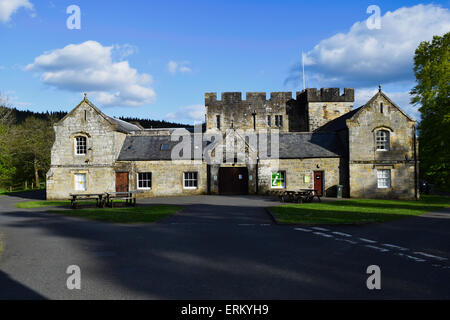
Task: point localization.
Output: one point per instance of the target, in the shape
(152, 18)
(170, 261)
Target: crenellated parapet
(251, 97)
(327, 95)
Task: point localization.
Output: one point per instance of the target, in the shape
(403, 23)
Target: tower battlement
(251, 97)
(327, 95)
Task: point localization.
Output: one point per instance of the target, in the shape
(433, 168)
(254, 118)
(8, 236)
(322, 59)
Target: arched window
(382, 140)
(80, 145)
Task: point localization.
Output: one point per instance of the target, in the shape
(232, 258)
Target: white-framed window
(384, 178)
(278, 180)
(80, 145)
(80, 181)
(382, 140)
(144, 180)
(190, 180)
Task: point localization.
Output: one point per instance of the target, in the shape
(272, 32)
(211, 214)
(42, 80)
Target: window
(381, 107)
(269, 121)
(279, 179)
(80, 145)
(218, 121)
(278, 121)
(190, 180)
(144, 180)
(382, 140)
(80, 181)
(384, 178)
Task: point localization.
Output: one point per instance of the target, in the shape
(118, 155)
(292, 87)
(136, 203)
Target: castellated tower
(310, 110)
(324, 105)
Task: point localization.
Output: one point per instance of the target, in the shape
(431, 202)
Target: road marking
(411, 257)
(320, 229)
(301, 229)
(377, 248)
(430, 256)
(367, 240)
(393, 246)
(342, 234)
(264, 224)
(323, 234)
(346, 240)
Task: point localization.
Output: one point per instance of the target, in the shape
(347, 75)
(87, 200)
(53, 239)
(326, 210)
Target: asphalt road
(220, 248)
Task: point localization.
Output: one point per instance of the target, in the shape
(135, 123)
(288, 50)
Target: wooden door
(318, 182)
(233, 180)
(122, 182)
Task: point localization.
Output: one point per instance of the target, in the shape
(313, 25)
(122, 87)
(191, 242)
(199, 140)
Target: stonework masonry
(319, 132)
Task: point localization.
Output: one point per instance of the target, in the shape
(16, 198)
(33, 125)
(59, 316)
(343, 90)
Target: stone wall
(237, 113)
(167, 176)
(103, 147)
(364, 159)
(296, 171)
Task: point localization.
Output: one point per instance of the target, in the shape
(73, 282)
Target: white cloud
(89, 67)
(194, 113)
(9, 7)
(364, 57)
(182, 67)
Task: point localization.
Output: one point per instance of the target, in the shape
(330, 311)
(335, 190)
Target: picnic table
(299, 196)
(77, 197)
(128, 196)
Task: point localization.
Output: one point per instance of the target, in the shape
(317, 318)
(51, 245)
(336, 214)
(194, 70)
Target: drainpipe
(416, 195)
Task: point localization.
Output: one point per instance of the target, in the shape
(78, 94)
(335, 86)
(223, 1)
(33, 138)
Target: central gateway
(233, 180)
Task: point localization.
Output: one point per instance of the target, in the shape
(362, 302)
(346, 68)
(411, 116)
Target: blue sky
(157, 59)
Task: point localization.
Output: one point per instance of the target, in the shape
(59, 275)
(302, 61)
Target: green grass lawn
(357, 210)
(139, 214)
(44, 204)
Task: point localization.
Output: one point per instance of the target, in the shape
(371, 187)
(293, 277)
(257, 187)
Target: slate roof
(310, 145)
(144, 148)
(292, 146)
(123, 125)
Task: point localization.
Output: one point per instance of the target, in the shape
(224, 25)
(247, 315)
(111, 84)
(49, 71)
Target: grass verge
(140, 214)
(355, 211)
(44, 204)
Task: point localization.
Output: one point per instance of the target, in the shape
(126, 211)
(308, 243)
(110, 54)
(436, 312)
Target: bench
(76, 198)
(298, 196)
(128, 196)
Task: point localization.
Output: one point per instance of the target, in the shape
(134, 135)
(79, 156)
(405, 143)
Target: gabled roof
(310, 145)
(119, 125)
(340, 122)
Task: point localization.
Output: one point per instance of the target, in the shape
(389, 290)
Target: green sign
(278, 180)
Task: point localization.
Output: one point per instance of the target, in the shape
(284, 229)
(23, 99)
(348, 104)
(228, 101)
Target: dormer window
(80, 145)
(382, 140)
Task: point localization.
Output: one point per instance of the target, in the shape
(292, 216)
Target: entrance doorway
(122, 182)
(233, 180)
(318, 182)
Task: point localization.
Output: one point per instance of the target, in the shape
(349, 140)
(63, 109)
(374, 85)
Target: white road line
(430, 256)
(346, 240)
(320, 229)
(342, 234)
(301, 229)
(411, 257)
(323, 234)
(264, 224)
(367, 240)
(393, 246)
(377, 248)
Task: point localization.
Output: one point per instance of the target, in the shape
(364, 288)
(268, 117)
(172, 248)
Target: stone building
(313, 141)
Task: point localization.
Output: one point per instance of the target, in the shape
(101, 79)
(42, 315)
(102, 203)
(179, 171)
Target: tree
(432, 71)
(33, 142)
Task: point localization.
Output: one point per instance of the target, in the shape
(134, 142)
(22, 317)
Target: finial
(85, 96)
(379, 88)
